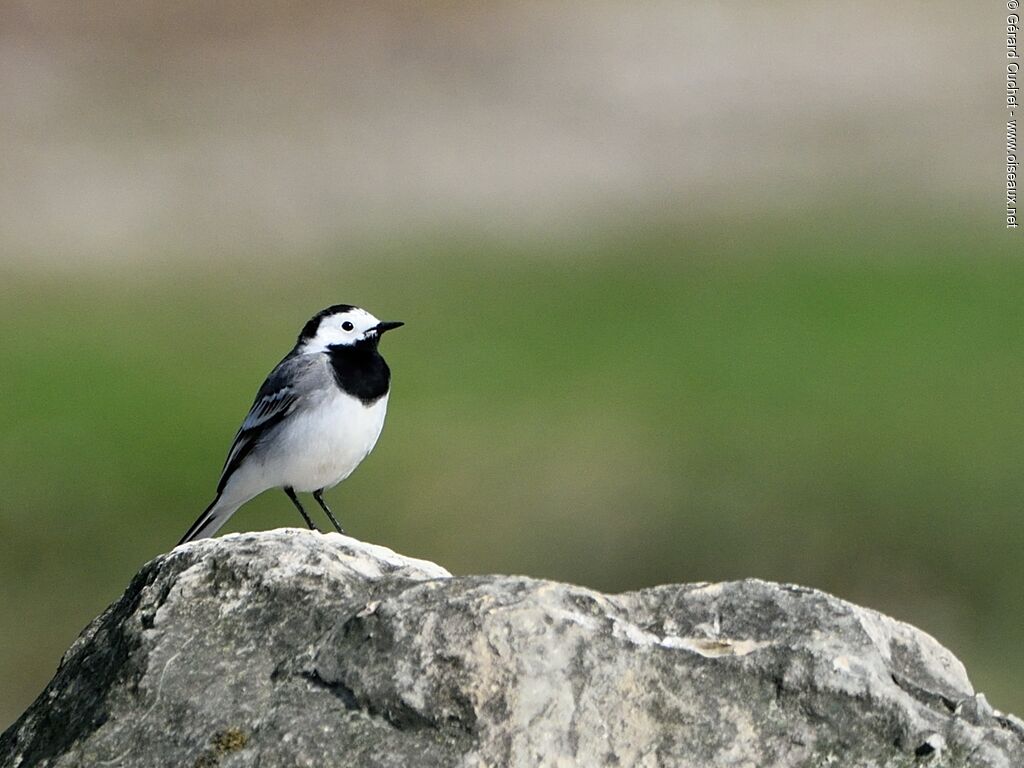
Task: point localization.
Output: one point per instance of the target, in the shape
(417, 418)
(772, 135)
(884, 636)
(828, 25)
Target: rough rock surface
(290, 648)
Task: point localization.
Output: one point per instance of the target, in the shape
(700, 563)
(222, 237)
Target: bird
(316, 417)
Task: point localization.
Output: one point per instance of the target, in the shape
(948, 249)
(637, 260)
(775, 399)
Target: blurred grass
(810, 401)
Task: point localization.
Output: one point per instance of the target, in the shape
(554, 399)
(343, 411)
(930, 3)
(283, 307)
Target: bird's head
(342, 325)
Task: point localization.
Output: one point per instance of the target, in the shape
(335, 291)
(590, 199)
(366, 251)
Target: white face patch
(344, 328)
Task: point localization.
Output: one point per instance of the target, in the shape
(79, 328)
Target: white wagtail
(316, 417)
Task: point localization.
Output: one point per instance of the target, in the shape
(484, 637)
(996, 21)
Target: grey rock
(291, 648)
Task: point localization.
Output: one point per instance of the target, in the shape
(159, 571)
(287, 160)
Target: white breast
(321, 446)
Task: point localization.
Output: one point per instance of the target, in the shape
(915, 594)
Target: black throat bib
(360, 370)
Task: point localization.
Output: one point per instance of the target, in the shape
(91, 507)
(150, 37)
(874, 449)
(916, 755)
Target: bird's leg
(290, 492)
(319, 496)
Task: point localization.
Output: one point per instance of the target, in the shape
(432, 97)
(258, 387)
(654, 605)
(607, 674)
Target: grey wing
(276, 399)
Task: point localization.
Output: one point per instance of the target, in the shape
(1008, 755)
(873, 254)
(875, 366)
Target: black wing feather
(274, 401)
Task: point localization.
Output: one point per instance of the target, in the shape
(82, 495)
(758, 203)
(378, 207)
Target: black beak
(387, 326)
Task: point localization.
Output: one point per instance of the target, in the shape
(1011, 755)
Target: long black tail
(208, 523)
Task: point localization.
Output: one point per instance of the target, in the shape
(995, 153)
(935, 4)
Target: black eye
(347, 326)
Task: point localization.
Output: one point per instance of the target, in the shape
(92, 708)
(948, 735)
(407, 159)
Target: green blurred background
(692, 292)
